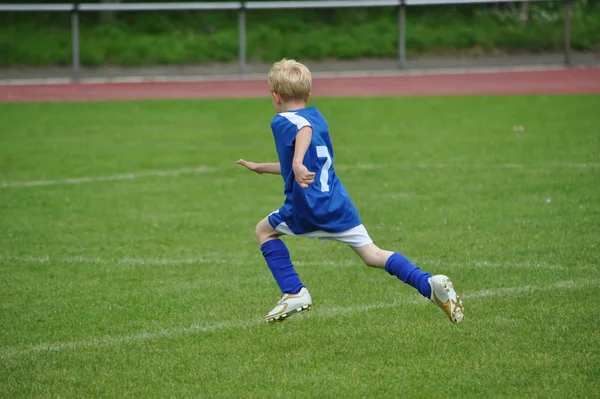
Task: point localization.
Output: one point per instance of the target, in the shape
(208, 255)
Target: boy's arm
(260, 168)
(303, 176)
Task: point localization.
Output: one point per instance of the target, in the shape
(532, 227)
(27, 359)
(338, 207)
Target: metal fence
(242, 7)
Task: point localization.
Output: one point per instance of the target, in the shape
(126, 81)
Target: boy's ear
(308, 97)
(276, 98)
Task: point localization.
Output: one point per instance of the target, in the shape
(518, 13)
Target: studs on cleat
(284, 316)
(290, 304)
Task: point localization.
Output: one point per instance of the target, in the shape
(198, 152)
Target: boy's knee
(367, 256)
(374, 256)
(259, 231)
(371, 261)
(264, 232)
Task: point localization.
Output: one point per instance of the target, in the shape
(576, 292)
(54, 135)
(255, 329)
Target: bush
(147, 38)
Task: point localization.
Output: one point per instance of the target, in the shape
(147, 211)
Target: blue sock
(397, 265)
(278, 259)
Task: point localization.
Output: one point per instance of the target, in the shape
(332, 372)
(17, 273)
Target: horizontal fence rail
(281, 5)
(36, 7)
(242, 6)
(159, 6)
(239, 5)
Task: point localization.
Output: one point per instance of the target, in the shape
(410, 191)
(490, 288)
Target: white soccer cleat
(289, 304)
(443, 295)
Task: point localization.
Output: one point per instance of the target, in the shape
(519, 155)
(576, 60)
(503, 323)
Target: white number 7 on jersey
(322, 152)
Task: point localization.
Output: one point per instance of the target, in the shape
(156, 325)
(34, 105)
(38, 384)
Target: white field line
(215, 259)
(124, 176)
(220, 259)
(204, 169)
(566, 165)
(9, 352)
(509, 265)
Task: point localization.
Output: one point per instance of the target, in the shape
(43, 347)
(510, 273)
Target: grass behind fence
(147, 38)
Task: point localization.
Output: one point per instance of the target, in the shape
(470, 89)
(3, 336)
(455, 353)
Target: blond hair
(290, 79)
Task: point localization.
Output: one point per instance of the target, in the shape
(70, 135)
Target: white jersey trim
(297, 120)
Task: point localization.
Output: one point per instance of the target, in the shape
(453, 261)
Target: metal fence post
(75, 40)
(242, 37)
(567, 44)
(402, 34)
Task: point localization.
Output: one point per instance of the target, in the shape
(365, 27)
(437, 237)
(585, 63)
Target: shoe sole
(283, 316)
(457, 311)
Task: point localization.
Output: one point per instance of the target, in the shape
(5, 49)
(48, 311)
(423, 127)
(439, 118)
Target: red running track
(560, 81)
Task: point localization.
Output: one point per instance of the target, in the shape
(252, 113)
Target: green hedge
(146, 38)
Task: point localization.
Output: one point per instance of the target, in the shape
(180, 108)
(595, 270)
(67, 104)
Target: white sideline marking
(217, 259)
(204, 169)
(124, 176)
(120, 261)
(9, 352)
(518, 265)
(567, 165)
(236, 260)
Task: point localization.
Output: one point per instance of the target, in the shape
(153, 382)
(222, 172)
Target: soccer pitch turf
(129, 265)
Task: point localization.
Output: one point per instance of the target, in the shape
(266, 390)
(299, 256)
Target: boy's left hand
(253, 166)
(303, 176)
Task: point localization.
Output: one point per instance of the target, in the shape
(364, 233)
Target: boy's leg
(439, 289)
(295, 296)
(395, 264)
(278, 258)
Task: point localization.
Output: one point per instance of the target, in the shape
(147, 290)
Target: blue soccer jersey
(325, 204)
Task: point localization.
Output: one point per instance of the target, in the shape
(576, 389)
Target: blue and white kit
(324, 210)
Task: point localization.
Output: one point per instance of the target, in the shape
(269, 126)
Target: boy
(317, 204)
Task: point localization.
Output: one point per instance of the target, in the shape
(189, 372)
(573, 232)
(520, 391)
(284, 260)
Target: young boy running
(316, 203)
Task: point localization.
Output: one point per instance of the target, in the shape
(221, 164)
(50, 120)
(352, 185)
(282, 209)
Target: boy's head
(290, 82)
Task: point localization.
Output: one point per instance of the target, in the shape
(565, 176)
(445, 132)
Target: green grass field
(145, 280)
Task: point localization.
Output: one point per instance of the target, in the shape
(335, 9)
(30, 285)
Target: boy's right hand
(253, 166)
(303, 176)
